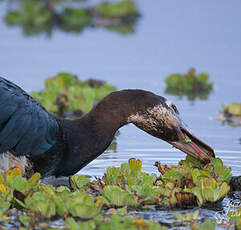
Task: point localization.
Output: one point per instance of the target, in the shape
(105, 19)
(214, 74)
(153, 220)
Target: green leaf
(234, 109)
(40, 201)
(78, 181)
(72, 224)
(25, 220)
(34, 180)
(114, 195)
(19, 183)
(223, 172)
(186, 217)
(203, 77)
(207, 225)
(124, 8)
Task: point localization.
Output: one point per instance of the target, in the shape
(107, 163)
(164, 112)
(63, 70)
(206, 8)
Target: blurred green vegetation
(190, 84)
(122, 9)
(36, 16)
(67, 96)
(32, 15)
(233, 109)
(231, 115)
(75, 19)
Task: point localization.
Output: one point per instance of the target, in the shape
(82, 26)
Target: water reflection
(36, 17)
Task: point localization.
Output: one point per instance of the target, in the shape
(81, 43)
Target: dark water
(171, 36)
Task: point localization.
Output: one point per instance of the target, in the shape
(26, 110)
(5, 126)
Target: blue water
(171, 36)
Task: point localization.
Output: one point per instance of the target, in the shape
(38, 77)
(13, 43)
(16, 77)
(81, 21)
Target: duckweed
(191, 84)
(105, 202)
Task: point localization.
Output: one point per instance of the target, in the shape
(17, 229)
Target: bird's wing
(25, 126)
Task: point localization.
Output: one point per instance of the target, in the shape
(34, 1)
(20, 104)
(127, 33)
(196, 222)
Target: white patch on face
(145, 121)
(160, 113)
(172, 106)
(169, 103)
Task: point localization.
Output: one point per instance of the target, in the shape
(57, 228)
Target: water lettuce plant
(190, 84)
(207, 225)
(105, 202)
(114, 222)
(232, 109)
(122, 9)
(66, 95)
(44, 16)
(231, 114)
(186, 217)
(34, 16)
(75, 19)
(187, 185)
(235, 217)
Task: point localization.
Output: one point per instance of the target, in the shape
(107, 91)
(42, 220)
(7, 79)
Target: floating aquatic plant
(114, 195)
(207, 225)
(33, 16)
(44, 16)
(235, 218)
(187, 185)
(190, 84)
(66, 95)
(191, 182)
(115, 222)
(186, 217)
(77, 182)
(105, 202)
(208, 190)
(75, 19)
(122, 9)
(231, 114)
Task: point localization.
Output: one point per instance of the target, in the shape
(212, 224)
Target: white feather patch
(9, 161)
(159, 112)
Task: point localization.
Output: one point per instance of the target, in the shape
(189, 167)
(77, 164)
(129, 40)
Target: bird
(35, 140)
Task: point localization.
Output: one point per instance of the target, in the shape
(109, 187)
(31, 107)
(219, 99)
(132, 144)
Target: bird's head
(160, 118)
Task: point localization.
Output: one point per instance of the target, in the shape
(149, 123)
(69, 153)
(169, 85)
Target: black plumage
(25, 126)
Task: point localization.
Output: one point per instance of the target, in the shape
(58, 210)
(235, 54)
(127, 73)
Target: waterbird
(36, 141)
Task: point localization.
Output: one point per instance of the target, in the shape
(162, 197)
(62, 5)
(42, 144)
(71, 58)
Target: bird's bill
(193, 146)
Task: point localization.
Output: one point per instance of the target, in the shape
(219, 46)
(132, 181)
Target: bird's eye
(175, 108)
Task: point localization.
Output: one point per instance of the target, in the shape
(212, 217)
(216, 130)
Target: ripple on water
(150, 156)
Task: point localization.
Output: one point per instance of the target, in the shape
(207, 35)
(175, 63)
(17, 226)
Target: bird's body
(35, 140)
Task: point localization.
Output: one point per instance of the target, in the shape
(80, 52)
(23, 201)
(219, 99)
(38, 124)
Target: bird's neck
(90, 135)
